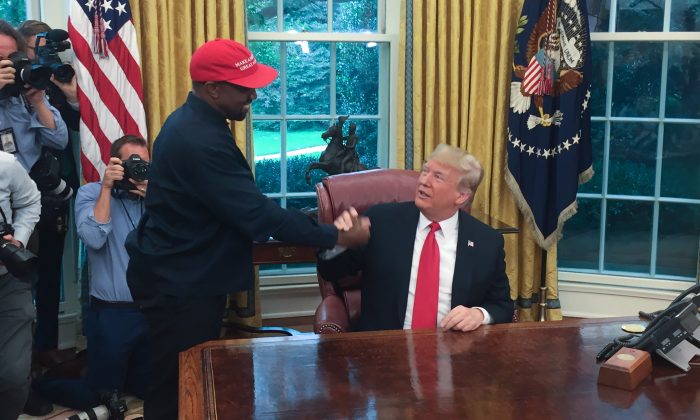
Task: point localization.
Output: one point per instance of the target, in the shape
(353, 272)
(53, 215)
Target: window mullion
(333, 70)
(283, 124)
(659, 150)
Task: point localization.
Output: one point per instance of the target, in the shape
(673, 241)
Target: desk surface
(510, 371)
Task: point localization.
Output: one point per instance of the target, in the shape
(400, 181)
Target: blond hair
(471, 172)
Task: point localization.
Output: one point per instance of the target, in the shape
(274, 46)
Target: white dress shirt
(446, 239)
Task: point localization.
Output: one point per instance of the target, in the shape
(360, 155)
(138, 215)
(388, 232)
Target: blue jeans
(117, 359)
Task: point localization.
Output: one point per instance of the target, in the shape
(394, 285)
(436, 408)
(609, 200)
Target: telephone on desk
(672, 333)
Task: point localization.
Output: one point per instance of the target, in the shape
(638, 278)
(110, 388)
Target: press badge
(7, 136)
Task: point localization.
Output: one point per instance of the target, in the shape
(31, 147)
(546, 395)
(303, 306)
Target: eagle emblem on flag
(555, 55)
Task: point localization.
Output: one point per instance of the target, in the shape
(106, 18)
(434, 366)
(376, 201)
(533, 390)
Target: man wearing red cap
(194, 242)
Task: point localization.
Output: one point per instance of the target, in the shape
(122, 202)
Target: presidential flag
(108, 69)
(548, 143)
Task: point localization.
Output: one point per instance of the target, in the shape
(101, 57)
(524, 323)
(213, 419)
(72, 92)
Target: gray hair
(471, 172)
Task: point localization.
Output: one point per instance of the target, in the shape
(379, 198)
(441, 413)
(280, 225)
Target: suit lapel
(464, 262)
(405, 240)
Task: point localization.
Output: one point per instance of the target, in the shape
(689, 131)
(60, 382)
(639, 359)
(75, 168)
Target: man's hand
(114, 172)
(353, 230)
(461, 318)
(141, 187)
(13, 240)
(346, 219)
(34, 96)
(7, 73)
(70, 89)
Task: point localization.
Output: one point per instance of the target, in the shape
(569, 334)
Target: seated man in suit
(428, 264)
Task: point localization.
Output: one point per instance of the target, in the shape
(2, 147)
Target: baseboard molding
(67, 330)
(579, 300)
(289, 300)
(599, 301)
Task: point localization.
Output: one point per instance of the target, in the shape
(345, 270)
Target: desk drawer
(282, 253)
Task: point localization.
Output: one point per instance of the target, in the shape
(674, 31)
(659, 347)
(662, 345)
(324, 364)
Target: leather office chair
(340, 309)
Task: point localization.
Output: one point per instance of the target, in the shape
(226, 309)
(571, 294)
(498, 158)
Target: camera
(113, 408)
(38, 74)
(134, 168)
(47, 54)
(18, 261)
(55, 192)
(46, 173)
(26, 72)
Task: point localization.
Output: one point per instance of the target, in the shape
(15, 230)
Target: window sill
(595, 295)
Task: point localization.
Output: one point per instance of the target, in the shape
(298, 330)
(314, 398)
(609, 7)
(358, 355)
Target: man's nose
(253, 94)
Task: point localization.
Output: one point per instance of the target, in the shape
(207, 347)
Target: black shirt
(203, 212)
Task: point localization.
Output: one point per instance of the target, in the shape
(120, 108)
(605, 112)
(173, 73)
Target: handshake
(353, 230)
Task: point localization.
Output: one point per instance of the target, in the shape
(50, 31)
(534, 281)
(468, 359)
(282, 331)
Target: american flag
(108, 69)
(536, 80)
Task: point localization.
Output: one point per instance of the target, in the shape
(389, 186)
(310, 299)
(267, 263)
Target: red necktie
(426, 298)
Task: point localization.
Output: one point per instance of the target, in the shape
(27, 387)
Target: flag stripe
(105, 119)
(129, 66)
(89, 115)
(110, 82)
(109, 79)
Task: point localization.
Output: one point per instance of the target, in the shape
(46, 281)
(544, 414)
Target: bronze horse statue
(340, 155)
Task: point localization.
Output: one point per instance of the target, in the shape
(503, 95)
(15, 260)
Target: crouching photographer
(105, 212)
(19, 211)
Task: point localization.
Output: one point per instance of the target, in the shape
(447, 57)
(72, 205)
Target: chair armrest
(331, 316)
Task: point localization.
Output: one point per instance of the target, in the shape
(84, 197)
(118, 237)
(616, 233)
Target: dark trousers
(117, 359)
(48, 287)
(16, 317)
(175, 325)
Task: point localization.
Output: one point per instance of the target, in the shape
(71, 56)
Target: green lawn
(268, 142)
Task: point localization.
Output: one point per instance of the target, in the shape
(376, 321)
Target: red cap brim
(263, 76)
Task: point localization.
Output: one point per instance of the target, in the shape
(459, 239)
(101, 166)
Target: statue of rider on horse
(340, 155)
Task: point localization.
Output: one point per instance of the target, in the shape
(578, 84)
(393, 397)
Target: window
(13, 11)
(334, 60)
(640, 215)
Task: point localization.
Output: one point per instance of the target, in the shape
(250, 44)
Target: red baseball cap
(225, 60)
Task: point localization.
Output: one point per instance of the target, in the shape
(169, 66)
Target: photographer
(56, 184)
(20, 205)
(27, 121)
(116, 329)
(63, 95)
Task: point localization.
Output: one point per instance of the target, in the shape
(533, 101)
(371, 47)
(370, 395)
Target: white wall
(52, 12)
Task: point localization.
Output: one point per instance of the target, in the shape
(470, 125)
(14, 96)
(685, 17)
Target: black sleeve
(221, 178)
(348, 263)
(59, 101)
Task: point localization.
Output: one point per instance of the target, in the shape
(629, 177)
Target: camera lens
(140, 172)
(63, 73)
(39, 77)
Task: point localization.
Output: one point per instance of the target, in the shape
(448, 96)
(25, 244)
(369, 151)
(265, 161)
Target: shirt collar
(446, 226)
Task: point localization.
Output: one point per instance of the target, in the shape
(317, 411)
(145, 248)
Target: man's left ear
(462, 197)
(212, 89)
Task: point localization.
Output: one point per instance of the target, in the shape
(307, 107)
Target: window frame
(387, 39)
(620, 278)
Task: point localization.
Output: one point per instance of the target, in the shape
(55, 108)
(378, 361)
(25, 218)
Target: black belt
(99, 303)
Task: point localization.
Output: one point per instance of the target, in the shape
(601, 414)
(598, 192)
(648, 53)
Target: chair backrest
(360, 190)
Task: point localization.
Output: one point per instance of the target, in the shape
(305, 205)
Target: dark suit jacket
(479, 280)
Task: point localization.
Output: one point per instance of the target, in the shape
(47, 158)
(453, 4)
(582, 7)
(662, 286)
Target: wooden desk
(512, 371)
